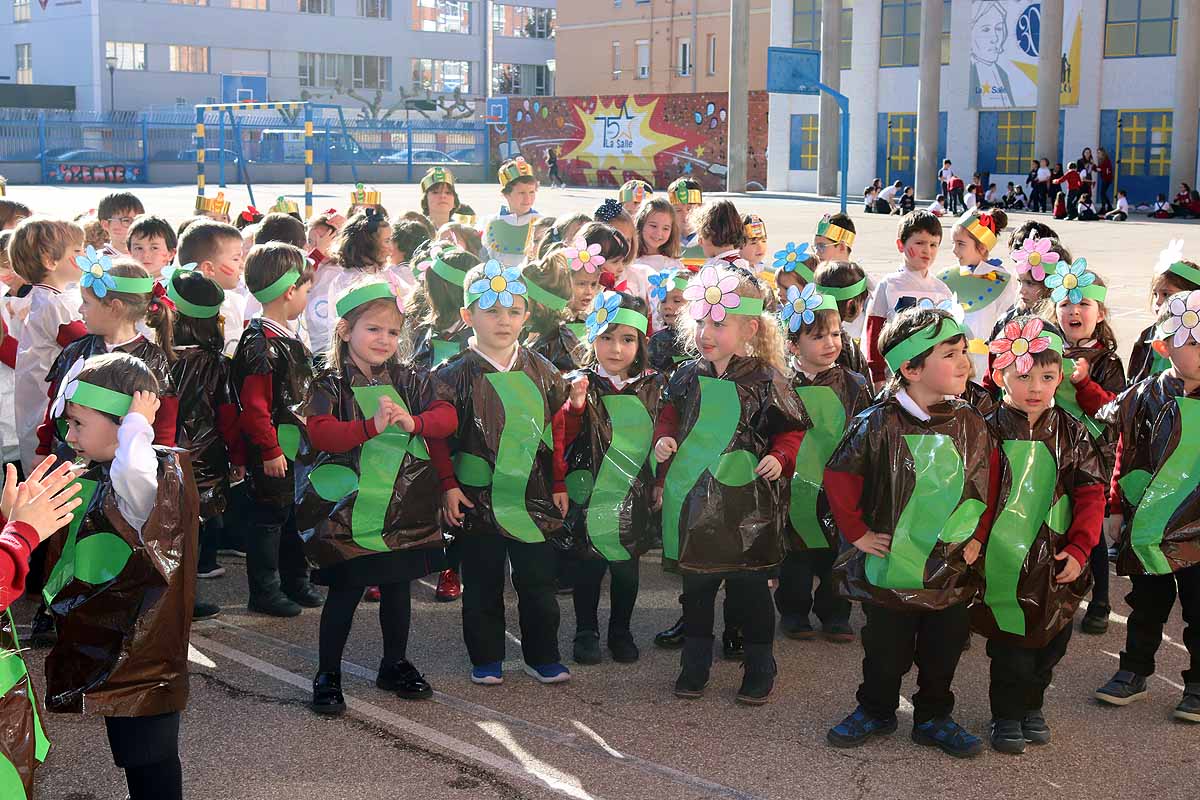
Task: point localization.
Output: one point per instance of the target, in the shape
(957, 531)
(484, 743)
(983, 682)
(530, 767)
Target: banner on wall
(1005, 41)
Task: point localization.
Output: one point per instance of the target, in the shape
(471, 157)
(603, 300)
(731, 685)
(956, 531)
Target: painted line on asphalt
(1168, 681)
(584, 743)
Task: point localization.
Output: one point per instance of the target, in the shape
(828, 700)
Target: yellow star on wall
(699, 151)
(619, 136)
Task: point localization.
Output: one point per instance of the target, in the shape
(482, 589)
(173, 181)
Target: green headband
(748, 307)
(363, 294)
(1186, 272)
(101, 399)
(284, 282)
(449, 274)
(1094, 292)
(627, 316)
(188, 308)
(922, 341)
(132, 285)
(544, 296)
(844, 292)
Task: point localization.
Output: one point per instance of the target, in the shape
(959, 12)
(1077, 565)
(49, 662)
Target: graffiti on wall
(609, 139)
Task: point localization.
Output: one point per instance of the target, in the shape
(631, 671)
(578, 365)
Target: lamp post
(111, 61)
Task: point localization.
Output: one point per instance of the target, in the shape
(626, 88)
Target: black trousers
(147, 748)
(893, 641)
(623, 592)
(1037, 197)
(1020, 675)
(747, 600)
(210, 541)
(533, 572)
(1098, 562)
(1151, 600)
(795, 596)
(275, 554)
(337, 617)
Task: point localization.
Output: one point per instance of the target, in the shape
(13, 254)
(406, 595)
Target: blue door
(1143, 154)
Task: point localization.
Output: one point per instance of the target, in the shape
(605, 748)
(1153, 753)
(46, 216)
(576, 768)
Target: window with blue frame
(806, 27)
(1006, 141)
(1140, 28)
(900, 33)
(803, 142)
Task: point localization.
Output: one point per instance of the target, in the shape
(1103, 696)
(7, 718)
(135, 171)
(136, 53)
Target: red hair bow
(160, 296)
(251, 214)
(986, 221)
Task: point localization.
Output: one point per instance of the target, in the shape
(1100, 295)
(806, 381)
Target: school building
(1120, 89)
(135, 54)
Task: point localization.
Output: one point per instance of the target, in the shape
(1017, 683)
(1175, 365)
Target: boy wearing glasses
(116, 213)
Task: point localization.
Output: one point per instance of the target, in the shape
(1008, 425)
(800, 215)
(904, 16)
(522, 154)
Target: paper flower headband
(661, 283)
(1171, 260)
(1073, 283)
(499, 284)
(607, 310)
(1034, 256)
(1019, 344)
(791, 259)
(96, 269)
(713, 295)
(584, 256)
(1184, 322)
(803, 304)
(87, 394)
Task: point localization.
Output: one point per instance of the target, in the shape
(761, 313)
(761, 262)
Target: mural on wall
(1005, 42)
(609, 139)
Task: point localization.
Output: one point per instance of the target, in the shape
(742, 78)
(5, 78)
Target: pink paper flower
(1018, 345)
(584, 256)
(711, 295)
(1034, 255)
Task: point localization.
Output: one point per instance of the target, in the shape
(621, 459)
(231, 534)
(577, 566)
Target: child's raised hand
(453, 504)
(769, 468)
(1082, 371)
(664, 449)
(49, 508)
(971, 551)
(562, 502)
(404, 420)
(875, 544)
(579, 388)
(1070, 571)
(146, 404)
(385, 413)
(275, 467)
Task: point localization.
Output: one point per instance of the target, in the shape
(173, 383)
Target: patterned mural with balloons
(606, 140)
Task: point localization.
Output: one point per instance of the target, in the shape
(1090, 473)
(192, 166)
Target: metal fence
(66, 143)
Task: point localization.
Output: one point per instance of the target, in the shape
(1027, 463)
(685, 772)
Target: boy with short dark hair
(152, 243)
(116, 213)
(216, 250)
(507, 235)
(279, 227)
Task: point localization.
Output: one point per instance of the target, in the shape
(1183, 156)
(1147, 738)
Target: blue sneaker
(948, 736)
(548, 673)
(855, 729)
(488, 674)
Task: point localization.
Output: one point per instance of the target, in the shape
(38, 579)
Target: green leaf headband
(363, 294)
(840, 293)
(1185, 271)
(544, 296)
(186, 307)
(714, 295)
(452, 275)
(284, 282)
(607, 310)
(922, 341)
(97, 276)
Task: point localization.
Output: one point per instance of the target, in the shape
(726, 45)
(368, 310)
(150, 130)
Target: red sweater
(875, 361)
(257, 394)
(17, 542)
(1071, 178)
(332, 435)
(783, 446)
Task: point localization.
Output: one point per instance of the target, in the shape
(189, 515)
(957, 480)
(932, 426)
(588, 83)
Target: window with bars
(900, 33)
(1140, 28)
(375, 9)
(616, 60)
(523, 21)
(21, 11)
(188, 58)
(439, 75)
(806, 27)
(24, 53)
(129, 55)
(1014, 141)
(804, 142)
(685, 57)
(315, 6)
(442, 16)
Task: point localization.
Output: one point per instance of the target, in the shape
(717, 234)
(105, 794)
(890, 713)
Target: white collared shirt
(499, 367)
(613, 379)
(908, 404)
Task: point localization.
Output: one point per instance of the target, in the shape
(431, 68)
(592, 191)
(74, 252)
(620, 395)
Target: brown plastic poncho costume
(23, 743)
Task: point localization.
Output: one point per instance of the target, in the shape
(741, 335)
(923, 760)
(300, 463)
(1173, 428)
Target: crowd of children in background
(390, 396)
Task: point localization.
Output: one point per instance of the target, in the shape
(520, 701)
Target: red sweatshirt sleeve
(70, 332)
(984, 528)
(16, 544)
(1114, 488)
(439, 454)
(1087, 519)
(45, 432)
(256, 393)
(1092, 396)
(667, 424)
(572, 422)
(875, 361)
(227, 426)
(844, 491)
(785, 446)
(8, 350)
(329, 434)
(439, 421)
(165, 421)
(559, 428)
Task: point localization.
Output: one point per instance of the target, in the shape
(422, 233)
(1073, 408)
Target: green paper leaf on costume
(963, 521)
(1015, 529)
(379, 462)
(12, 671)
(548, 437)
(935, 496)
(444, 351)
(1060, 517)
(1173, 482)
(100, 557)
(1133, 485)
(1065, 396)
(332, 482)
(579, 486)
(720, 410)
(975, 292)
(524, 427)
(64, 569)
(471, 470)
(579, 329)
(10, 780)
(632, 430)
(736, 468)
(289, 440)
(828, 416)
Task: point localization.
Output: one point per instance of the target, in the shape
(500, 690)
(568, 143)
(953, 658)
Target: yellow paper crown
(212, 205)
(980, 225)
(465, 219)
(835, 233)
(285, 206)
(362, 196)
(434, 176)
(511, 170)
(687, 196)
(756, 228)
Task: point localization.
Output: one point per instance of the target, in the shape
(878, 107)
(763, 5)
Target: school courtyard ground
(616, 731)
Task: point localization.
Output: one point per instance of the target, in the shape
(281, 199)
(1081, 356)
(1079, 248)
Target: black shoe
(1124, 688)
(1113, 552)
(758, 678)
(305, 595)
(41, 629)
(327, 694)
(1035, 729)
(948, 736)
(1006, 736)
(857, 728)
(795, 626)
(403, 679)
(695, 662)
(732, 646)
(587, 647)
(622, 647)
(275, 605)
(672, 637)
(1095, 621)
(202, 610)
(1188, 709)
(838, 632)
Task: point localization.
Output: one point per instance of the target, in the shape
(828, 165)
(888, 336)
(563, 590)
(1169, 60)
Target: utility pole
(738, 129)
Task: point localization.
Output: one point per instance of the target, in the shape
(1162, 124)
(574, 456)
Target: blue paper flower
(663, 282)
(1068, 282)
(801, 307)
(603, 308)
(95, 269)
(791, 256)
(498, 283)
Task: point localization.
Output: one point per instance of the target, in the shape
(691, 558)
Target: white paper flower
(66, 389)
(1170, 254)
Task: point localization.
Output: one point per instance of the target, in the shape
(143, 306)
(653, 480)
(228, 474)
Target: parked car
(88, 155)
(418, 157)
(212, 155)
(466, 155)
